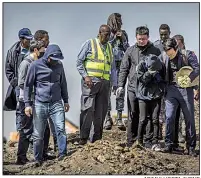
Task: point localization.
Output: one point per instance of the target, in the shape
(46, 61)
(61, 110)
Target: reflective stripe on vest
(99, 64)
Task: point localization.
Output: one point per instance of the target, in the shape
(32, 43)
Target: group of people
(38, 89)
(154, 97)
(38, 92)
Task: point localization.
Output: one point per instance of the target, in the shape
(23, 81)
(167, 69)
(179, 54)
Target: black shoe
(108, 121)
(83, 141)
(192, 152)
(21, 161)
(48, 156)
(38, 163)
(108, 125)
(178, 149)
(61, 157)
(167, 149)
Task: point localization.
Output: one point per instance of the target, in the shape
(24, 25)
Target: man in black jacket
(14, 57)
(132, 56)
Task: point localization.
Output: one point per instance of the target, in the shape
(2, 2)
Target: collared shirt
(23, 50)
(86, 51)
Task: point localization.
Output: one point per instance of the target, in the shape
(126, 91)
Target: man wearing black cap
(14, 57)
(47, 76)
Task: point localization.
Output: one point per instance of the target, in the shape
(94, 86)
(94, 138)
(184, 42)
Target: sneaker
(120, 125)
(156, 147)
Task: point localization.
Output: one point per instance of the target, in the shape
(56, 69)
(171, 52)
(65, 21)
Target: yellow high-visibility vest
(99, 63)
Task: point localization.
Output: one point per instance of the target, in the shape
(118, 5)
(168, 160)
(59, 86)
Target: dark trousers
(185, 99)
(120, 98)
(94, 106)
(18, 112)
(133, 117)
(154, 108)
(25, 131)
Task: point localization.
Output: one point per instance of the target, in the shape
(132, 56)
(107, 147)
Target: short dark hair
(169, 44)
(164, 27)
(40, 34)
(103, 26)
(36, 44)
(179, 37)
(142, 30)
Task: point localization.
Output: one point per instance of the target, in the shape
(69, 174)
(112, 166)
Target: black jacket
(150, 86)
(13, 61)
(130, 60)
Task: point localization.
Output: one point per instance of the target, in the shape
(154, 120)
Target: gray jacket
(22, 73)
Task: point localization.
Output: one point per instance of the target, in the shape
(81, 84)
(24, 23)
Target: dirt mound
(107, 156)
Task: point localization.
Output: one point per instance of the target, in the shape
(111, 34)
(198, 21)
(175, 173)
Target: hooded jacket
(131, 59)
(49, 81)
(150, 86)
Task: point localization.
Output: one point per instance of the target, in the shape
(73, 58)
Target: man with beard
(119, 42)
(131, 59)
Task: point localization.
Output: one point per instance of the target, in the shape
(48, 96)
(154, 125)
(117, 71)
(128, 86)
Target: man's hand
(119, 90)
(28, 111)
(196, 95)
(66, 107)
(88, 81)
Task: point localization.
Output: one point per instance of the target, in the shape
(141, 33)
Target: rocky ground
(108, 156)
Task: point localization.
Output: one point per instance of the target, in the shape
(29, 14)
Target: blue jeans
(52, 128)
(41, 112)
(185, 99)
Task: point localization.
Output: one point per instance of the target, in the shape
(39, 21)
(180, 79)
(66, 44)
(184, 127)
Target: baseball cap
(25, 33)
(56, 56)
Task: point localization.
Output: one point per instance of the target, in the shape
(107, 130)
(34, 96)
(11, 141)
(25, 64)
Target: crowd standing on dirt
(156, 96)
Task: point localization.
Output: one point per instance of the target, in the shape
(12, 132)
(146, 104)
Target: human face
(104, 35)
(45, 39)
(39, 53)
(25, 43)
(180, 44)
(142, 40)
(164, 35)
(171, 53)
